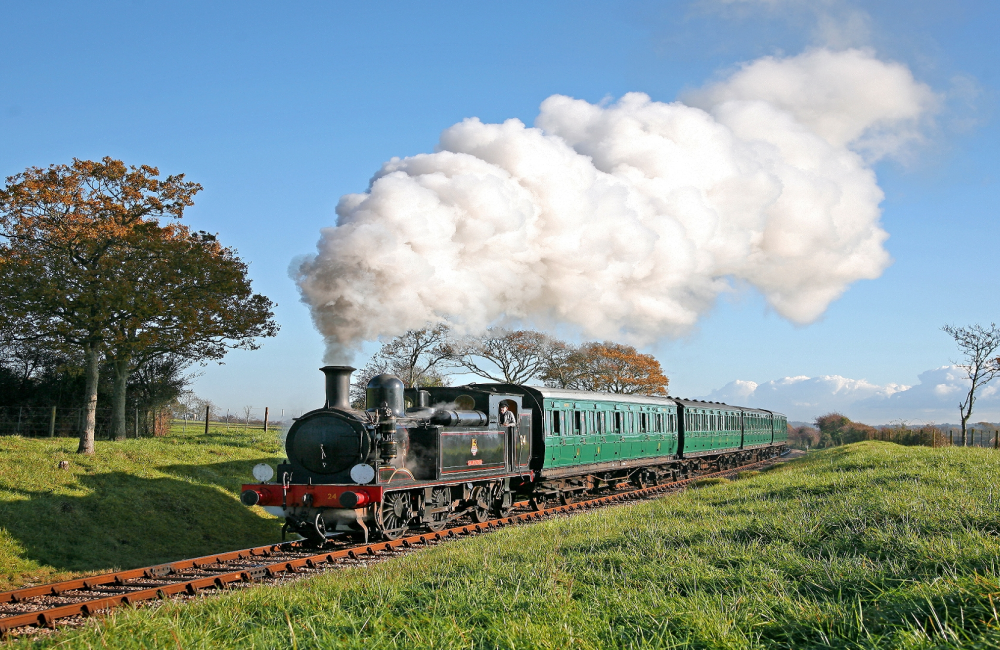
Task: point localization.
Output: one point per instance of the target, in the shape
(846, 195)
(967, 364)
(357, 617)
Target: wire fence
(41, 421)
(989, 438)
(51, 421)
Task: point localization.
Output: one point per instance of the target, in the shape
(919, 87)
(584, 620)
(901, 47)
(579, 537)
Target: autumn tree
(838, 429)
(416, 357)
(505, 356)
(608, 367)
(81, 250)
(978, 346)
(203, 305)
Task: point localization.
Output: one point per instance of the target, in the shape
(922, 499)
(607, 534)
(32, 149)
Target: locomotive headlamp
(263, 472)
(362, 473)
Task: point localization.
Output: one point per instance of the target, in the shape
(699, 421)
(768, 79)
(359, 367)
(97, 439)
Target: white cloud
(934, 399)
(849, 98)
(626, 220)
(832, 23)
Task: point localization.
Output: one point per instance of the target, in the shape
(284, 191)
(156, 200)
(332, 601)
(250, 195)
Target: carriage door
(523, 443)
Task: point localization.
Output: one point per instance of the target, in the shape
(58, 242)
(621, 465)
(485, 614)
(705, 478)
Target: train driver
(506, 419)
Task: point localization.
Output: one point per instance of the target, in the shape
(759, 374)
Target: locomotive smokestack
(338, 386)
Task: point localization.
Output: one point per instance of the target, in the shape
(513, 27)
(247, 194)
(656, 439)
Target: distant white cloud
(831, 23)
(849, 98)
(934, 399)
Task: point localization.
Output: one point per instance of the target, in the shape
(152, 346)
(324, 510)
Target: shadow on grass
(127, 522)
(228, 475)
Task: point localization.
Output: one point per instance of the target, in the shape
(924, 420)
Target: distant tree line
(105, 295)
(431, 356)
(835, 429)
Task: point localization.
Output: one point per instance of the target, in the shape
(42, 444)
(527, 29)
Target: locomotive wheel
(503, 501)
(320, 527)
(440, 498)
(394, 515)
(545, 501)
(482, 504)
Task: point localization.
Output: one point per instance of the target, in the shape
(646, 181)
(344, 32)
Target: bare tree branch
(978, 346)
(505, 356)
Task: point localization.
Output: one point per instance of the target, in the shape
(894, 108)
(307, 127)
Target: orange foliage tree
(607, 367)
(85, 263)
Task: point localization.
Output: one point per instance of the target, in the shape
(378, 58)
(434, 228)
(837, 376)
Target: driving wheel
(394, 515)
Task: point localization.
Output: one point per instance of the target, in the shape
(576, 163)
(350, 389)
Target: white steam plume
(627, 220)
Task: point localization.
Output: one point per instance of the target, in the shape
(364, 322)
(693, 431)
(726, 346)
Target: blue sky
(280, 111)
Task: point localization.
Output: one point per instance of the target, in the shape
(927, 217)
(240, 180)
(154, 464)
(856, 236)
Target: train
(424, 458)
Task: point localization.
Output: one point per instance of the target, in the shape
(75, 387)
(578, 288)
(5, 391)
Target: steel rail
(47, 617)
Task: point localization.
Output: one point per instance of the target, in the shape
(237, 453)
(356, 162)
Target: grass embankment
(133, 503)
(869, 546)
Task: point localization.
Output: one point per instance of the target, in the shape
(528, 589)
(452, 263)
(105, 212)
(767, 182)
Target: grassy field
(868, 546)
(134, 503)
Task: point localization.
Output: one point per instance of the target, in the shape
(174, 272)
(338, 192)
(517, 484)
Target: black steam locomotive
(425, 458)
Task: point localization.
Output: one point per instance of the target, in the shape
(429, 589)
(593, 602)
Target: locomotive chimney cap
(338, 386)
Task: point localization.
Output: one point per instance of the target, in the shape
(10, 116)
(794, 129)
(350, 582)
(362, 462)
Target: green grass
(133, 503)
(867, 546)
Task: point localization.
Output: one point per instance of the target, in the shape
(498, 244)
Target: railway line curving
(46, 605)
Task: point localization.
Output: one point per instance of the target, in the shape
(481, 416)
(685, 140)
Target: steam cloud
(626, 220)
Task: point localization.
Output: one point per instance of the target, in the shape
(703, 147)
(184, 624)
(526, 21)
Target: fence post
(52, 423)
(207, 408)
(265, 419)
(137, 422)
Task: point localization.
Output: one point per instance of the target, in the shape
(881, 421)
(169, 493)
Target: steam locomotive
(424, 458)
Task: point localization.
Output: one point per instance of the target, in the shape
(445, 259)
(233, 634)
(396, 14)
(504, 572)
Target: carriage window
(619, 423)
(556, 422)
(577, 422)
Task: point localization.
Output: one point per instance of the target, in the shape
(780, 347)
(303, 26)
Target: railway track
(45, 605)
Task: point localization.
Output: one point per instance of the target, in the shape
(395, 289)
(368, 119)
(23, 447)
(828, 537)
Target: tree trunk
(118, 397)
(965, 418)
(93, 368)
